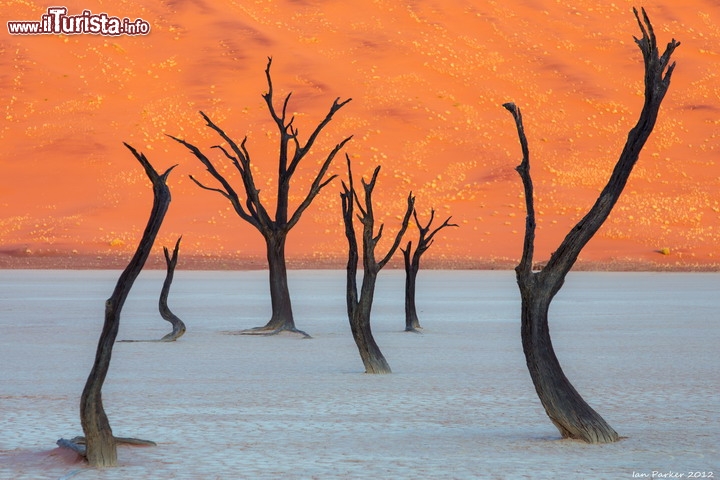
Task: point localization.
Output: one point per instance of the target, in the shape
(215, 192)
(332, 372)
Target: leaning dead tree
(412, 265)
(563, 404)
(99, 445)
(252, 209)
(359, 307)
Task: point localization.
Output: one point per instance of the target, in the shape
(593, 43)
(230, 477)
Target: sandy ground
(427, 80)
(640, 347)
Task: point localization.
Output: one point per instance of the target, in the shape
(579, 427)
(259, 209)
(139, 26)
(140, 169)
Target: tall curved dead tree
(100, 445)
(359, 307)
(412, 265)
(251, 208)
(563, 404)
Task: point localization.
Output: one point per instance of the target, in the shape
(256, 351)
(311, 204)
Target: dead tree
(359, 308)
(100, 446)
(563, 404)
(412, 266)
(178, 326)
(253, 211)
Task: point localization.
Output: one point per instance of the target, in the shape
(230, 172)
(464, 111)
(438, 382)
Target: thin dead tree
(359, 307)
(412, 266)
(573, 417)
(99, 445)
(178, 326)
(253, 211)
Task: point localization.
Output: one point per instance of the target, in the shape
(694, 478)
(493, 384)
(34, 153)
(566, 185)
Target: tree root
(170, 337)
(78, 444)
(167, 338)
(267, 332)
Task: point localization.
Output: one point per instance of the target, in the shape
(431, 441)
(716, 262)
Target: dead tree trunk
(412, 266)
(359, 307)
(279, 290)
(573, 417)
(178, 326)
(253, 211)
(101, 445)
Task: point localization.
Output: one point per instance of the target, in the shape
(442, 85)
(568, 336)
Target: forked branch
(657, 80)
(426, 236)
(318, 184)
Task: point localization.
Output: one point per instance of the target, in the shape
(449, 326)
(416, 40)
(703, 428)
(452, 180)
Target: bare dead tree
(178, 326)
(253, 211)
(412, 266)
(359, 307)
(573, 417)
(100, 445)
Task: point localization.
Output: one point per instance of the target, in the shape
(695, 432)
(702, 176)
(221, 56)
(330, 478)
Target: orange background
(427, 79)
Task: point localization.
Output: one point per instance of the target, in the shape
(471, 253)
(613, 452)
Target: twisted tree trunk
(573, 417)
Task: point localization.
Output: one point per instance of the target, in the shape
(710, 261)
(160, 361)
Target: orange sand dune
(427, 80)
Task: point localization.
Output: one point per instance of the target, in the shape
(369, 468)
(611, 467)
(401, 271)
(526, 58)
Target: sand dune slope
(427, 81)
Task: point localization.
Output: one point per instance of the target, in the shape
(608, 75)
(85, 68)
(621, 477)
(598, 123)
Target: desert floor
(640, 347)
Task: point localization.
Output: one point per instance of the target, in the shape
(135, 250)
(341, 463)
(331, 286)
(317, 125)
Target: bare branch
(205, 187)
(227, 191)
(252, 193)
(350, 177)
(523, 169)
(280, 121)
(377, 237)
(401, 232)
(317, 185)
(302, 151)
(417, 221)
(232, 158)
(241, 154)
(657, 82)
(347, 196)
(152, 174)
(367, 210)
(172, 260)
(428, 240)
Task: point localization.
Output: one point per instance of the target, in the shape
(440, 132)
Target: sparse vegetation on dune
(426, 79)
